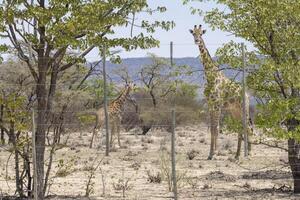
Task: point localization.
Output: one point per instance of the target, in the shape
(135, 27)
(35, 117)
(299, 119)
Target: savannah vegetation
(47, 42)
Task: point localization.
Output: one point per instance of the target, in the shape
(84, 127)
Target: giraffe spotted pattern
(220, 93)
(115, 109)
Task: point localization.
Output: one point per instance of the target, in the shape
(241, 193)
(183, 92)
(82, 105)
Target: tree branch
(21, 55)
(70, 64)
(270, 145)
(92, 68)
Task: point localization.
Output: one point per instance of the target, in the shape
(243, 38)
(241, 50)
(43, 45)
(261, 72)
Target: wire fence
(149, 164)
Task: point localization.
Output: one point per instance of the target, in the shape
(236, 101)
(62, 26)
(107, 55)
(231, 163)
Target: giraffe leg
(214, 119)
(93, 136)
(249, 133)
(118, 132)
(239, 146)
(112, 132)
(212, 139)
(212, 145)
(217, 132)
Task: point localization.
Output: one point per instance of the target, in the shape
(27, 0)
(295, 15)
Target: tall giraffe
(115, 109)
(220, 93)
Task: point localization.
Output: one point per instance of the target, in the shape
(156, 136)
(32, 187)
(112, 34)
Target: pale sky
(182, 39)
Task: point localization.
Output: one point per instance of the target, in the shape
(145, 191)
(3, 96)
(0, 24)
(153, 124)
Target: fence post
(34, 157)
(173, 153)
(171, 53)
(245, 127)
(174, 180)
(105, 101)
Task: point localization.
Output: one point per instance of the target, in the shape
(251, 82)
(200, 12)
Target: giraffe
(220, 93)
(115, 109)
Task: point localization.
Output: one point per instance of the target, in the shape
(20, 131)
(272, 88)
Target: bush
(154, 178)
(192, 154)
(189, 110)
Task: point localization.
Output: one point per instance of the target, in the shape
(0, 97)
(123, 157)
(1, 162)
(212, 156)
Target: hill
(134, 65)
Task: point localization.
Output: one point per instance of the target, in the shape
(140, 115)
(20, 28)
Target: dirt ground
(143, 160)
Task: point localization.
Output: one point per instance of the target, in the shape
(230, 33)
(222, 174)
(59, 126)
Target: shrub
(154, 178)
(192, 154)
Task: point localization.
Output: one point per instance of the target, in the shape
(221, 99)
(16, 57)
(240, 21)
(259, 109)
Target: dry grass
(259, 177)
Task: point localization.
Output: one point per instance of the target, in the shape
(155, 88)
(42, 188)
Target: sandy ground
(265, 175)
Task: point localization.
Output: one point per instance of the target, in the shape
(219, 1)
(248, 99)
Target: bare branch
(270, 145)
(92, 68)
(82, 55)
(22, 56)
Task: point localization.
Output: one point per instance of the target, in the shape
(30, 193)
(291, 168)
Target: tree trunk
(293, 154)
(28, 172)
(41, 129)
(18, 182)
(294, 161)
(153, 99)
(2, 139)
(146, 128)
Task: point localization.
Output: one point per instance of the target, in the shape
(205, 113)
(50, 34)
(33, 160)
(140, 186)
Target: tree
(156, 78)
(43, 32)
(160, 81)
(273, 28)
(16, 100)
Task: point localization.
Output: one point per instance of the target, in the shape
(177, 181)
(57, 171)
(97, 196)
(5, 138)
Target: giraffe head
(197, 32)
(130, 86)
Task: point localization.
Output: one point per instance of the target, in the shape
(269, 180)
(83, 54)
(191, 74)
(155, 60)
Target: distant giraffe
(115, 109)
(220, 92)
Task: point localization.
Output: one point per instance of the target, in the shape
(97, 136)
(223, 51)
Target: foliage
(163, 88)
(157, 78)
(15, 91)
(273, 29)
(188, 108)
(52, 36)
(233, 125)
(79, 24)
(191, 154)
(123, 184)
(95, 87)
(16, 100)
(90, 183)
(154, 178)
(65, 168)
(166, 171)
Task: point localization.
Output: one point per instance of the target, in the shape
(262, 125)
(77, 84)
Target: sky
(183, 41)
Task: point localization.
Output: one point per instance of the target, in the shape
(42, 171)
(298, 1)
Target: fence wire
(142, 159)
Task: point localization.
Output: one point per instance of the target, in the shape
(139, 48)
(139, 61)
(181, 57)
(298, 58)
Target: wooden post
(174, 180)
(2, 139)
(245, 127)
(35, 181)
(171, 53)
(173, 153)
(105, 101)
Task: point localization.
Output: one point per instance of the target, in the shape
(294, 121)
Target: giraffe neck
(210, 68)
(117, 105)
(122, 94)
